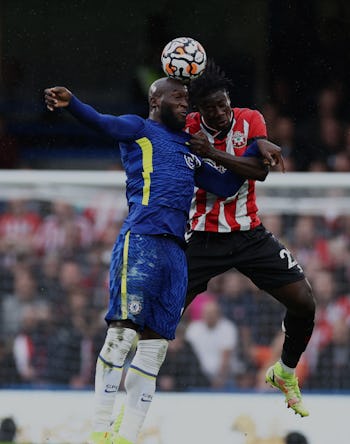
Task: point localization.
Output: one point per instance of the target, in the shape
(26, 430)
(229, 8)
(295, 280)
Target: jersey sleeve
(257, 127)
(219, 181)
(121, 128)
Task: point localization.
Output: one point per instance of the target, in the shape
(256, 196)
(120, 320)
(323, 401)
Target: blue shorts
(148, 282)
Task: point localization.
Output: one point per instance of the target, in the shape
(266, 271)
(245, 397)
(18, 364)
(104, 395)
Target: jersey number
(284, 253)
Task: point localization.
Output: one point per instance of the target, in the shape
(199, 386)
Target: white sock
(140, 385)
(286, 368)
(109, 370)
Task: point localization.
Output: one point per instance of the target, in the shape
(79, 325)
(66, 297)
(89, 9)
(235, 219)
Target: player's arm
(120, 128)
(215, 180)
(219, 181)
(246, 166)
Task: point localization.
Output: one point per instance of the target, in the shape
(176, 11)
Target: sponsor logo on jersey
(212, 163)
(238, 139)
(135, 307)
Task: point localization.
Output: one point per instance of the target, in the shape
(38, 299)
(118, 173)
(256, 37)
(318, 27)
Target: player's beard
(170, 120)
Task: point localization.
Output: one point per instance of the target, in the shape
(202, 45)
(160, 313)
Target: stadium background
(288, 59)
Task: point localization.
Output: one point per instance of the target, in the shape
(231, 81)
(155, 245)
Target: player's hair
(213, 79)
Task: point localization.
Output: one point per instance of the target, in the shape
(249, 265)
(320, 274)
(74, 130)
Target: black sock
(297, 336)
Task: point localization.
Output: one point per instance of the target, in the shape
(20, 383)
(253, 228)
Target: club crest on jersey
(239, 140)
(192, 161)
(135, 307)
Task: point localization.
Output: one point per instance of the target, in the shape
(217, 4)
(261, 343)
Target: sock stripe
(142, 372)
(110, 364)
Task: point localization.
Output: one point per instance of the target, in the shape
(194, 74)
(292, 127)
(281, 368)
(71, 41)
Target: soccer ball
(183, 58)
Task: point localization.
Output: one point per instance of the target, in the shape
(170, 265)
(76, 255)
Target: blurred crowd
(54, 261)
(314, 136)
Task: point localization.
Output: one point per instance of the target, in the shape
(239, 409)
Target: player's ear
(153, 102)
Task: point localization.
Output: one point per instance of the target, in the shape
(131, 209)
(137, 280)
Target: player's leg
(120, 337)
(140, 386)
(298, 323)
(271, 266)
(164, 286)
(298, 326)
(109, 369)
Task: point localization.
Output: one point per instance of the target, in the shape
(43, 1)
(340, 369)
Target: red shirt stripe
(239, 212)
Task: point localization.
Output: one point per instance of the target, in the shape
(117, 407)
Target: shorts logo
(192, 161)
(239, 140)
(110, 388)
(135, 307)
(146, 397)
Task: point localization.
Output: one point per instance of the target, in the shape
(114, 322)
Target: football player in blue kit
(148, 271)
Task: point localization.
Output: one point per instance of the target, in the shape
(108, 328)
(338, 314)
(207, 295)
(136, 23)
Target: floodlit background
(290, 60)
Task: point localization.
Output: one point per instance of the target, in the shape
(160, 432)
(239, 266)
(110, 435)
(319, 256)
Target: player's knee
(117, 344)
(150, 355)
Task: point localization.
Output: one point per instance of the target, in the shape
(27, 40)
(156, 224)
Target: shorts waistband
(180, 242)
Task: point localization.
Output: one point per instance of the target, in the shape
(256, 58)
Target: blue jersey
(160, 169)
(148, 273)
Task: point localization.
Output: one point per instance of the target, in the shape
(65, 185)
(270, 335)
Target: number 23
(284, 253)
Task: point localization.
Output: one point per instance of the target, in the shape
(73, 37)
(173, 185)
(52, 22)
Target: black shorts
(255, 253)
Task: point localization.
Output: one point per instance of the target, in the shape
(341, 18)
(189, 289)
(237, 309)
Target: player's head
(209, 94)
(168, 102)
(295, 438)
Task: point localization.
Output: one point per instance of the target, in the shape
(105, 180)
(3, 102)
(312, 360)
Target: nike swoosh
(110, 391)
(146, 400)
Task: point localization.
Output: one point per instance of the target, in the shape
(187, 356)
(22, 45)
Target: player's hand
(57, 97)
(271, 153)
(200, 145)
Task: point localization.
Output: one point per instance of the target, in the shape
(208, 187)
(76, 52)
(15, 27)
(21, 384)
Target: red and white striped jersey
(238, 212)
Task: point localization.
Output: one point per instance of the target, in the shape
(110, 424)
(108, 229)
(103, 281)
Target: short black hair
(295, 438)
(213, 79)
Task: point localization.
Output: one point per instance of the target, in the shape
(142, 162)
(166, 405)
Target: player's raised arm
(57, 97)
(119, 127)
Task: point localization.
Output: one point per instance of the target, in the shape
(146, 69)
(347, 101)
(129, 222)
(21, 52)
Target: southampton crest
(239, 140)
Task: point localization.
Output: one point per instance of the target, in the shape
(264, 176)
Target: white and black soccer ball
(183, 58)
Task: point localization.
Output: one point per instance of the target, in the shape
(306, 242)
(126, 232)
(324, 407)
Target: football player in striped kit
(227, 233)
(148, 271)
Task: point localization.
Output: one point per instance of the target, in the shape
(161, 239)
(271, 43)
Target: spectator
(194, 311)
(48, 277)
(13, 305)
(325, 288)
(8, 371)
(296, 438)
(61, 227)
(235, 301)
(8, 430)
(332, 369)
(44, 353)
(181, 370)
(307, 244)
(285, 137)
(18, 226)
(214, 340)
(262, 333)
